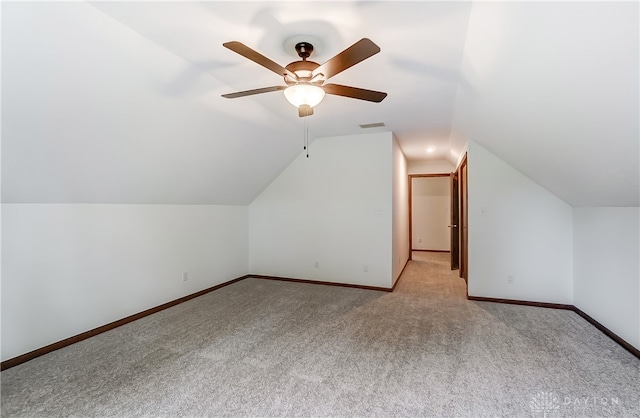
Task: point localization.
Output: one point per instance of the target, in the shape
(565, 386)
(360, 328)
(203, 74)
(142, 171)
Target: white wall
(400, 252)
(68, 268)
(334, 208)
(518, 229)
(431, 212)
(607, 268)
(430, 167)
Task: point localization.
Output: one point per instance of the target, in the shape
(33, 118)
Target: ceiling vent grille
(372, 125)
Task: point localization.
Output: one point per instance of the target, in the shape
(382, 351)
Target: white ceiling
(119, 102)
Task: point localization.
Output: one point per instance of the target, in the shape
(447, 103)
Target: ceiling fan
(305, 80)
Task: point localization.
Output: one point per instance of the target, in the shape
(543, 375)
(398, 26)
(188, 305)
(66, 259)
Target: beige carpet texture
(265, 348)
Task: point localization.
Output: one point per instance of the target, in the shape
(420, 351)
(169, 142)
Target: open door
(453, 225)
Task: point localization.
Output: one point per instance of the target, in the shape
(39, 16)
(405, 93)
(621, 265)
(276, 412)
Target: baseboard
(406, 263)
(630, 348)
(99, 330)
(608, 332)
(290, 279)
(355, 286)
(522, 302)
(432, 251)
(12, 362)
(104, 328)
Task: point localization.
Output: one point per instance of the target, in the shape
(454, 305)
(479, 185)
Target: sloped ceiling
(554, 92)
(119, 102)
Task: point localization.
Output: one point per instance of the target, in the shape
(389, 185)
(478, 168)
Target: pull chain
(306, 138)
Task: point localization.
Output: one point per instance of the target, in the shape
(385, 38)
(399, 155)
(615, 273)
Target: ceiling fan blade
(356, 53)
(354, 92)
(254, 91)
(258, 58)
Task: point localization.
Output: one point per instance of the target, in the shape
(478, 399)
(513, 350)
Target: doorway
(429, 213)
(458, 217)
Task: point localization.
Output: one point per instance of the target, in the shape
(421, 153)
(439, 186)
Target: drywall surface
(520, 235)
(328, 217)
(96, 110)
(607, 268)
(400, 253)
(431, 212)
(69, 268)
(430, 167)
(544, 90)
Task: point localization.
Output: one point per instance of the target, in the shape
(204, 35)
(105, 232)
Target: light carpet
(269, 348)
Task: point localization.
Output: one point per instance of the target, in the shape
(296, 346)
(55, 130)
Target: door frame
(454, 221)
(463, 218)
(411, 177)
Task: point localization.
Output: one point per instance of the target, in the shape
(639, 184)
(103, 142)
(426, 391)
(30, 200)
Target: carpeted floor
(270, 348)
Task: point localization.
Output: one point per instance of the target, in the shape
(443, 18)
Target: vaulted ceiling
(120, 102)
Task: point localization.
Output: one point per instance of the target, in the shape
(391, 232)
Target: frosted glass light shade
(301, 94)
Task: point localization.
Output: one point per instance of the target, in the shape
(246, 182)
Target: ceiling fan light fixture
(304, 94)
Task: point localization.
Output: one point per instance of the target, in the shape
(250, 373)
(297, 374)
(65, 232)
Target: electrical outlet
(316, 264)
(365, 268)
(185, 276)
(510, 279)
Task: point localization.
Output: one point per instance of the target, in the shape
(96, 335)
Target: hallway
(429, 274)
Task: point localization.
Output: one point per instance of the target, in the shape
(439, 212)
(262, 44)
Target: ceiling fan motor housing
(303, 69)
